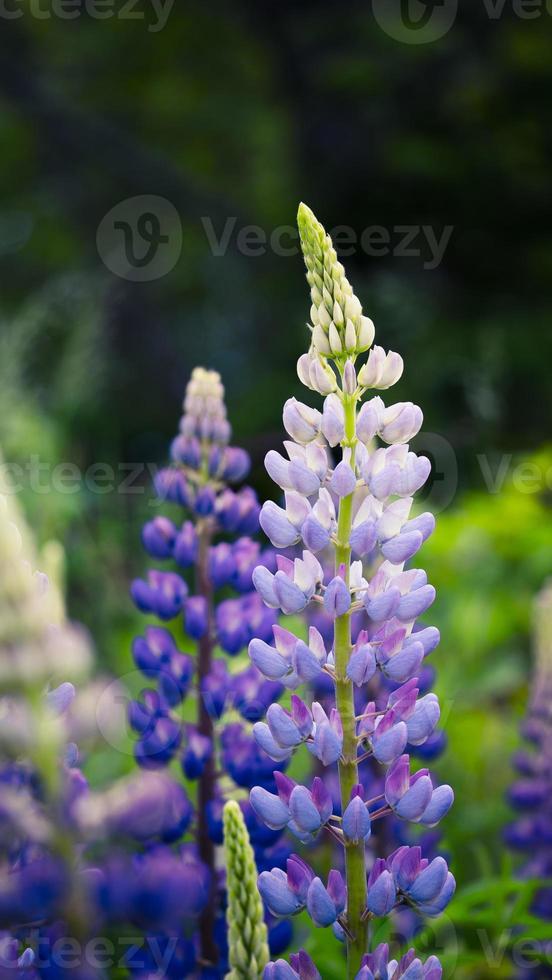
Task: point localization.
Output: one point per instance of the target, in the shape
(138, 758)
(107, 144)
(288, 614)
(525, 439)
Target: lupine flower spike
(247, 932)
(530, 794)
(208, 590)
(357, 509)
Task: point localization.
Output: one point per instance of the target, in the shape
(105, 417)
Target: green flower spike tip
(247, 932)
(338, 326)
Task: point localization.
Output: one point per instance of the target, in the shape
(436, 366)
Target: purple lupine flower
(530, 834)
(300, 967)
(378, 965)
(213, 597)
(163, 594)
(360, 505)
(156, 655)
(159, 536)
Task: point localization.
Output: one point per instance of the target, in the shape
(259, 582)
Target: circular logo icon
(415, 21)
(140, 239)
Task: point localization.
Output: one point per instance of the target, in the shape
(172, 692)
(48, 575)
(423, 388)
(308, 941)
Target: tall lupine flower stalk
(212, 594)
(531, 793)
(359, 508)
(247, 932)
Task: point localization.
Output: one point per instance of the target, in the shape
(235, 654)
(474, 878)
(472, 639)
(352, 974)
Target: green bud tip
(339, 330)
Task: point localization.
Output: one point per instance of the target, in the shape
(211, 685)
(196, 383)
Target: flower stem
(206, 787)
(355, 861)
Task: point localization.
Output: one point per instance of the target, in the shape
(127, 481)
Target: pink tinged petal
(403, 700)
(403, 547)
(284, 640)
(299, 876)
(322, 799)
(301, 716)
(269, 808)
(263, 580)
(319, 714)
(343, 480)
(397, 781)
(303, 967)
(439, 805)
(356, 821)
(415, 800)
(290, 597)
(316, 644)
(284, 785)
(415, 603)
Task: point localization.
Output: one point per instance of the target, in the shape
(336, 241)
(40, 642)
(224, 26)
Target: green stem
(355, 861)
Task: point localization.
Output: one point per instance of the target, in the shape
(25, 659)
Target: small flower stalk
(206, 603)
(531, 833)
(357, 509)
(247, 932)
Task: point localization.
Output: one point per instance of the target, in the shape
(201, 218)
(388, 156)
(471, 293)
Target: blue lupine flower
(203, 466)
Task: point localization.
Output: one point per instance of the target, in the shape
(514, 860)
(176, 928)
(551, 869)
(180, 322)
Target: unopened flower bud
(349, 378)
(320, 340)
